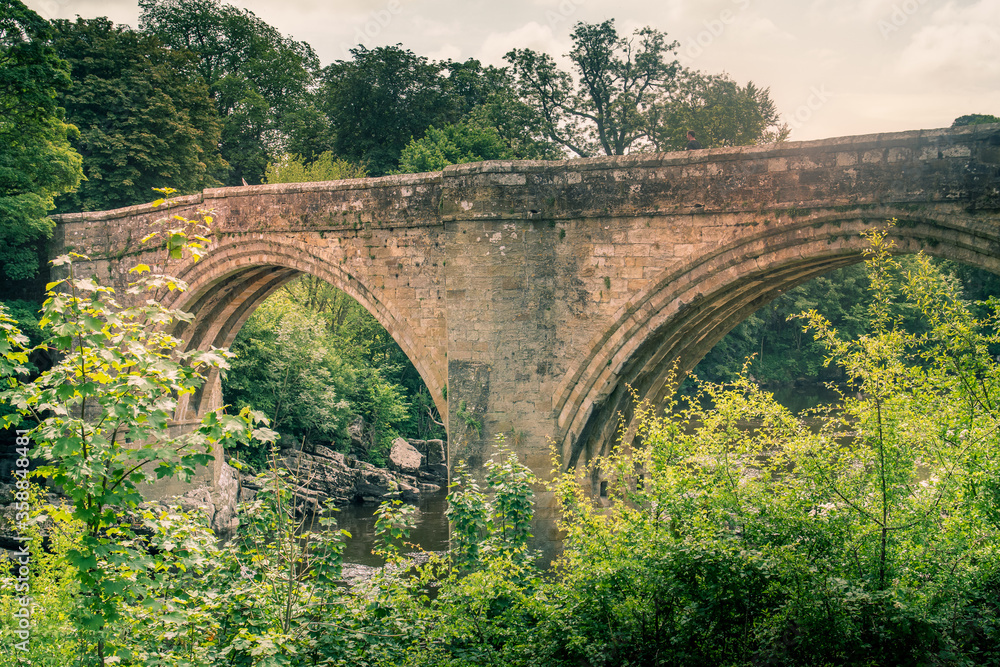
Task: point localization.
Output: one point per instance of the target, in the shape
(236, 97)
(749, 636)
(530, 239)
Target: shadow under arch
(238, 275)
(686, 310)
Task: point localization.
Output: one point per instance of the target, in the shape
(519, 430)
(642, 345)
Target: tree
(485, 99)
(145, 119)
(325, 167)
(605, 111)
(719, 111)
(259, 79)
(453, 144)
(975, 119)
(285, 369)
(100, 417)
(381, 99)
(37, 161)
(863, 531)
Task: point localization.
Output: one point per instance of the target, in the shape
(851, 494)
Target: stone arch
(688, 308)
(238, 274)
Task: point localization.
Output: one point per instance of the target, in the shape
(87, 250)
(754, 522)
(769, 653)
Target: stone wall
(530, 295)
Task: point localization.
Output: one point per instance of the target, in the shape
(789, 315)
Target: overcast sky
(834, 67)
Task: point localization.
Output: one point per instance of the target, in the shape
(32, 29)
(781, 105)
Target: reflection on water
(431, 531)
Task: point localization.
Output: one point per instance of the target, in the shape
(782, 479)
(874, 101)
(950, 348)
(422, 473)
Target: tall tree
(260, 80)
(37, 161)
(603, 111)
(145, 118)
(719, 111)
(380, 100)
(486, 100)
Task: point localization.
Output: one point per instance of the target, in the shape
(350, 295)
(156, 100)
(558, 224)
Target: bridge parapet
(903, 167)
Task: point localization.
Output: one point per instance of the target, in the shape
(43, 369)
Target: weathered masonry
(530, 294)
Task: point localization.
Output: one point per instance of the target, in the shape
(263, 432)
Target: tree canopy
(326, 167)
(719, 111)
(629, 94)
(975, 119)
(145, 119)
(260, 80)
(381, 99)
(453, 144)
(37, 162)
(604, 110)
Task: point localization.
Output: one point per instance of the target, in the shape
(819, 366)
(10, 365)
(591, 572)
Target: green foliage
(851, 535)
(783, 354)
(48, 533)
(485, 526)
(383, 405)
(468, 419)
(145, 119)
(260, 80)
(495, 124)
(975, 119)
(284, 367)
(393, 522)
(469, 516)
(312, 358)
(452, 144)
(617, 79)
(326, 167)
(627, 94)
(102, 413)
(781, 351)
(378, 101)
(719, 111)
(26, 315)
(386, 99)
(510, 509)
(37, 162)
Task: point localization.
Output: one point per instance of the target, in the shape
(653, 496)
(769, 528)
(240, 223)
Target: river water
(430, 533)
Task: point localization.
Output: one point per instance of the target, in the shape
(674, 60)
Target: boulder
(434, 469)
(356, 429)
(433, 450)
(404, 457)
(217, 504)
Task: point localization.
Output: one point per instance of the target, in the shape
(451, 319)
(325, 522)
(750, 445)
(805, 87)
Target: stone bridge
(529, 295)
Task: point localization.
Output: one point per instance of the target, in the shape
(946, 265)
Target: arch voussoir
(239, 273)
(690, 308)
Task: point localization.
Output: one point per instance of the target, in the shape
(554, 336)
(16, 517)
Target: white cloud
(960, 46)
(529, 36)
(847, 12)
(434, 29)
